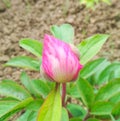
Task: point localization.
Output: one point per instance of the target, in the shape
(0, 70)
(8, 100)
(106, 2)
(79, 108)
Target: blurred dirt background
(34, 18)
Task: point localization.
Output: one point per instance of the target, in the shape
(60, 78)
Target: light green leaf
(51, 108)
(40, 87)
(64, 32)
(92, 67)
(64, 115)
(116, 98)
(26, 81)
(24, 62)
(24, 116)
(12, 89)
(33, 46)
(102, 108)
(5, 106)
(97, 74)
(36, 87)
(8, 108)
(86, 92)
(88, 48)
(110, 72)
(109, 90)
(33, 116)
(76, 110)
(73, 91)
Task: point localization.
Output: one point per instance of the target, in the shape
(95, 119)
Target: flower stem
(63, 94)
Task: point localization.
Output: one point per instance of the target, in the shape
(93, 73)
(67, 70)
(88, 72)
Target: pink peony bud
(59, 62)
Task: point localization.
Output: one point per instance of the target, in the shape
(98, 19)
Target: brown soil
(34, 20)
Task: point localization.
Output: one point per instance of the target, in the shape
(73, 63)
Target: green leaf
(33, 46)
(86, 92)
(97, 74)
(36, 87)
(24, 116)
(24, 62)
(90, 47)
(92, 67)
(64, 115)
(40, 87)
(109, 90)
(28, 116)
(110, 72)
(5, 106)
(102, 108)
(26, 81)
(73, 91)
(75, 119)
(116, 110)
(65, 32)
(76, 110)
(51, 108)
(35, 105)
(33, 116)
(12, 89)
(8, 108)
(116, 98)
(93, 119)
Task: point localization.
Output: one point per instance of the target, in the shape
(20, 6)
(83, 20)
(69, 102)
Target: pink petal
(59, 62)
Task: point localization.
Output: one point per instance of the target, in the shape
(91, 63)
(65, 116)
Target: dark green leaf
(76, 110)
(12, 89)
(65, 32)
(109, 90)
(33, 46)
(51, 108)
(86, 92)
(24, 62)
(91, 46)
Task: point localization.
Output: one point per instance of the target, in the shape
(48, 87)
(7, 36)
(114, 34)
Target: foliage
(97, 89)
(7, 3)
(91, 3)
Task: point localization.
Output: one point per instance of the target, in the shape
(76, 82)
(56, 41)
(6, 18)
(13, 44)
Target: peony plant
(71, 86)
